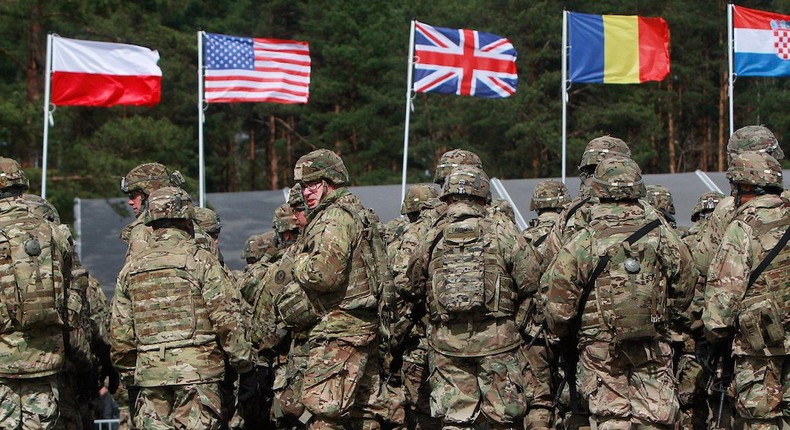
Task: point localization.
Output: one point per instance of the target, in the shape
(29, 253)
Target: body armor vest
(32, 293)
(167, 300)
(468, 276)
(630, 295)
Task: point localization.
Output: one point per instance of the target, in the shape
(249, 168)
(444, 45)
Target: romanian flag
(617, 49)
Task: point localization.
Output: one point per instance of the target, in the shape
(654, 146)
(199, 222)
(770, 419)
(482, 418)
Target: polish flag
(87, 73)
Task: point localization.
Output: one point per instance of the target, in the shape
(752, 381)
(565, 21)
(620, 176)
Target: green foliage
(358, 93)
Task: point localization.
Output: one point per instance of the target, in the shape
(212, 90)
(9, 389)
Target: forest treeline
(357, 101)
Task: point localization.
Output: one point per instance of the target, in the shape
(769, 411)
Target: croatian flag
(87, 73)
(762, 43)
(463, 62)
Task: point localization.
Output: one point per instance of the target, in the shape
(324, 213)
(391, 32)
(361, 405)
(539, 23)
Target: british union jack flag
(463, 62)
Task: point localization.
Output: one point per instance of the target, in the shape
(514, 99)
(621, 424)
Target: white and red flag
(244, 69)
(88, 73)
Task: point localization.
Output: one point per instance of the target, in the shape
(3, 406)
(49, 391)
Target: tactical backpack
(167, 300)
(630, 292)
(32, 293)
(765, 314)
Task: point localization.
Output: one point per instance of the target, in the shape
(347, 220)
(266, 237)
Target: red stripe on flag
(653, 49)
(257, 99)
(428, 35)
(86, 89)
(743, 17)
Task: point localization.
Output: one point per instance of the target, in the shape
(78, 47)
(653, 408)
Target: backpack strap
(602, 262)
(540, 240)
(575, 208)
(769, 257)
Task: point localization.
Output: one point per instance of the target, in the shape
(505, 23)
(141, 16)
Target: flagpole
(564, 89)
(47, 116)
(201, 119)
(409, 85)
(730, 47)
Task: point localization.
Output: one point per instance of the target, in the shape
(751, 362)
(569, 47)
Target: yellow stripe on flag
(621, 49)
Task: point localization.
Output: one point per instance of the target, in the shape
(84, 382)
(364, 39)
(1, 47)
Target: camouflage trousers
(762, 391)
(692, 392)
(537, 372)
(195, 406)
(632, 384)
(342, 384)
(468, 390)
(29, 403)
(416, 389)
(287, 384)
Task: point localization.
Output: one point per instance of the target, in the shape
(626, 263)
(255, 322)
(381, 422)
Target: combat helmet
(618, 178)
(149, 177)
(169, 203)
(11, 174)
(452, 159)
(284, 219)
(295, 198)
(660, 198)
(208, 220)
(416, 197)
(549, 195)
(755, 168)
(467, 181)
(706, 202)
(601, 148)
(754, 138)
(258, 246)
(42, 207)
(321, 165)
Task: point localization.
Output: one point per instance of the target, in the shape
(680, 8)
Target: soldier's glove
(113, 376)
(248, 386)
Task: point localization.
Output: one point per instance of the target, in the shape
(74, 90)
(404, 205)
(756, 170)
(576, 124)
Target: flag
(463, 62)
(617, 49)
(243, 69)
(87, 73)
(762, 43)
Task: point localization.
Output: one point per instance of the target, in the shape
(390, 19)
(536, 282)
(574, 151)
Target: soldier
(174, 317)
(570, 218)
(752, 138)
(474, 270)
(409, 356)
(335, 297)
(260, 251)
(746, 296)
(660, 198)
(549, 198)
(611, 290)
(296, 200)
(35, 263)
(259, 247)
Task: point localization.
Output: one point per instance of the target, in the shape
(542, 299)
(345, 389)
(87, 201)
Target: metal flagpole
(564, 89)
(201, 119)
(730, 47)
(409, 85)
(47, 117)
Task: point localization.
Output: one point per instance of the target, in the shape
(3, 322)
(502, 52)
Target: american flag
(243, 69)
(463, 62)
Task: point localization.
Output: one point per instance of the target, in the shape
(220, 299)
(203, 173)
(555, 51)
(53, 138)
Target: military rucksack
(32, 293)
(458, 283)
(630, 290)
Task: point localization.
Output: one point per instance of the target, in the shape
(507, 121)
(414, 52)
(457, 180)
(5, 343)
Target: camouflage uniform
(752, 138)
(475, 373)
(341, 382)
(264, 247)
(548, 200)
(173, 318)
(754, 313)
(625, 376)
(34, 312)
(409, 329)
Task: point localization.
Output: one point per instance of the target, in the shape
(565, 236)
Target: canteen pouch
(295, 308)
(761, 323)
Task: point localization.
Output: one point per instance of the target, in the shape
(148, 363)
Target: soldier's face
(313, 193)
(136, 202)
(300, 219)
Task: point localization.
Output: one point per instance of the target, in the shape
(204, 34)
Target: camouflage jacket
(568, 273)
(209, 308)
(251, 281)
(394, 229)
(37, 352)
(540, 228)
(710, 239)
(481, 334)
(742, 249)
(566, 225)
(136, 235)
(322, 268)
